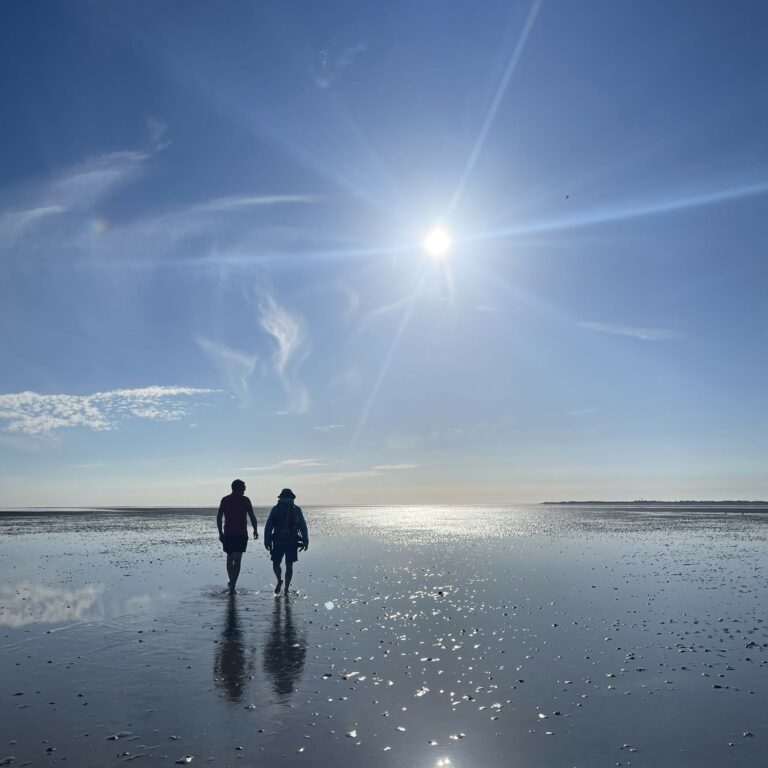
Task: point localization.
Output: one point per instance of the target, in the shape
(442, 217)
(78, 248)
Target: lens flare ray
(608, 215)
(404, 320)
(495, 103)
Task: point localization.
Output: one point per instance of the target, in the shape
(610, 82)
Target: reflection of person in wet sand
(284, 650)
(233, 663)
(234, 533)
(285, 533)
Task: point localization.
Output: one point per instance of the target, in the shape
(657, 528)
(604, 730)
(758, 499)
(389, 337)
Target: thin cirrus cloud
(184, 233)
(240, 202)
(287, 330)
(75, 189)
(328, 476)
(50, 215)
(332, 61)
(583, 411)
(293, 463)
(393, 467)
(235, 366)
(328, 427)
(95, 179)
(644, 334)
(323, 478)
(35, 414)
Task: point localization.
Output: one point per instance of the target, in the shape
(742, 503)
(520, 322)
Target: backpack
(287, 527)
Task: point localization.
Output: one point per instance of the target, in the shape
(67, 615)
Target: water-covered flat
(427, 636)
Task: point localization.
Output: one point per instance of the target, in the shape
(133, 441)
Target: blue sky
(211, 261)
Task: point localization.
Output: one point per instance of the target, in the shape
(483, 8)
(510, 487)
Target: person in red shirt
(233, 536)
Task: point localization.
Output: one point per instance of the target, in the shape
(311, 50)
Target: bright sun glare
(437, 242)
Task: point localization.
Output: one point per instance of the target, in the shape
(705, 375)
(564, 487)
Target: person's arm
(253, 520)
(268, 528)
(303, 529)
(218, 520)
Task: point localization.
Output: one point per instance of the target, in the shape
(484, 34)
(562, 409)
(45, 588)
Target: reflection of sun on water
(437, 242)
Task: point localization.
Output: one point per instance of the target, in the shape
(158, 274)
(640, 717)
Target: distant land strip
(645, 502)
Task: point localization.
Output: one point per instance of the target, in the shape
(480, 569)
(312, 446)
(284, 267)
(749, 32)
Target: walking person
(285, 533)
(233, 536)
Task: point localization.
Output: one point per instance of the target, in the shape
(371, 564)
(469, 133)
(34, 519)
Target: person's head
(238, 486)
(286, 495)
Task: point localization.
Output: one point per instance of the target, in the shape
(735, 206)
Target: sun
(437, 242)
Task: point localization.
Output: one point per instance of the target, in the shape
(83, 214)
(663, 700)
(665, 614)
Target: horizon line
(637, 502)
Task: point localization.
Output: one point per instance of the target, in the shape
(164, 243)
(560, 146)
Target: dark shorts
(235, 543)
(284, 549)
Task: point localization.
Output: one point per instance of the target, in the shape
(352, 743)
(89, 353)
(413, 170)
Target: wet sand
(424, 636)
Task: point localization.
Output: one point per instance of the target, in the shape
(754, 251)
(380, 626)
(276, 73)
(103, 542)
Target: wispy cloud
(331, 61)
(13, 224)
(583, 411)
(36, 414)
(645, 334)
(157, 131)
(62, 215)
(29, 443)
(77, 188)
(95, 179)
(240, 202)
(328, 427)
(293, 463)
(407, 442)
(222, 225)
(393, 467)
(235, 366)
(287, 329)
(328, 477)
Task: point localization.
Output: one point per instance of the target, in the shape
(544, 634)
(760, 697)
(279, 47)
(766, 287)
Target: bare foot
(277, 587)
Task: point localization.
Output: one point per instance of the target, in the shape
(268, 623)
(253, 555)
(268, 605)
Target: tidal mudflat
(420, 636)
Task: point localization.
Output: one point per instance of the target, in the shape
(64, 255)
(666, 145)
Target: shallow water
(426, 636)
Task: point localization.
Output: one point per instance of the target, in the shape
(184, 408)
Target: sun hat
(287, 493)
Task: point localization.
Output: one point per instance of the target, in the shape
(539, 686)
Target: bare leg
(288, 575)
(235, 572)
(229, 571)
(279, 574)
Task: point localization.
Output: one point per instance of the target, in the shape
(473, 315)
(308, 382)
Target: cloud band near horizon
(38, 414)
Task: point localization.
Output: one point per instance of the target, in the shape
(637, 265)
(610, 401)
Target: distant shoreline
(211, 510)
(648, 502)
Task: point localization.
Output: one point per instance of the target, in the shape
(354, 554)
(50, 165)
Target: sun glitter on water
(437, 242)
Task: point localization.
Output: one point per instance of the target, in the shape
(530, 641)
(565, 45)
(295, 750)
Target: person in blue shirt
(285, 533)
